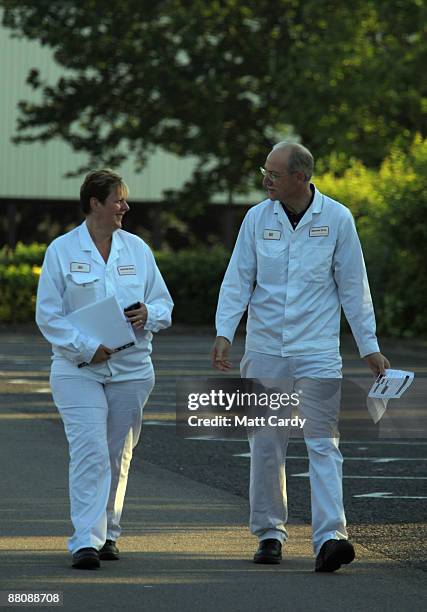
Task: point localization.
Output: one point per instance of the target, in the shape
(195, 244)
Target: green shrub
(31, 254)
(18, 292)
(401, 230)
(390, 207)
(193, 278)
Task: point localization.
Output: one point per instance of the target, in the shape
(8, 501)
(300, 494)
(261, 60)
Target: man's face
(110, 214)
(280, 185)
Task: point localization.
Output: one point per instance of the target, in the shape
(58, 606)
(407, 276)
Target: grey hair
(300, 158)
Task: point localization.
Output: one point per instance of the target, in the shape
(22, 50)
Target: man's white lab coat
(295, 281)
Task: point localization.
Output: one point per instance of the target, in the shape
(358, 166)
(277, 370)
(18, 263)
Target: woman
(101, 403)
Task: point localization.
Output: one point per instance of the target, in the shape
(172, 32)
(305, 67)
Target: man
(296, 261)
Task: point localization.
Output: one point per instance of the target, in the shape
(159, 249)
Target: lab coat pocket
(130, 289)
(80, 290)
(270, 261)
(316, 263)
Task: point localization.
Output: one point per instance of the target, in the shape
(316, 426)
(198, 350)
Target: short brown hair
(99, 184)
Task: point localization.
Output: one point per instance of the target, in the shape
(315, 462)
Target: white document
(390, 386)
(105, 322)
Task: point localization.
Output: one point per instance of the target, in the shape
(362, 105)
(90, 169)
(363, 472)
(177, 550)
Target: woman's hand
(102, 354)
(137, 317)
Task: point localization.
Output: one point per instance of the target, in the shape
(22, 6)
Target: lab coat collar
(116, 246)
(317, 203)
(87, 244)
(315, 208)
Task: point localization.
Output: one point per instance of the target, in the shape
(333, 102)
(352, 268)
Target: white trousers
(317, 378)
(102, 423)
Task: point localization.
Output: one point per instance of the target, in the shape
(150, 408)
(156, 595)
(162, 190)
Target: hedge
(193, 278)
(31, 254)
(390, 207)
(18, 285)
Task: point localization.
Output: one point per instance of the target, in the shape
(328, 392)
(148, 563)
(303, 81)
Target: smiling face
(108, 215)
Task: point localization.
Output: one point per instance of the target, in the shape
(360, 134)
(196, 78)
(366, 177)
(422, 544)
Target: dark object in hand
(133, 307)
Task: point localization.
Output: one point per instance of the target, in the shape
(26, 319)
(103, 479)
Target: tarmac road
(389, 473)
(186, 544)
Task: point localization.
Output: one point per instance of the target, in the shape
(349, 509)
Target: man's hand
(138, 317)
(102, 354)
(219, 354)
(377, 363)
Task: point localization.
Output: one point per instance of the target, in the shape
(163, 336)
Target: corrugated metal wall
(36, 170)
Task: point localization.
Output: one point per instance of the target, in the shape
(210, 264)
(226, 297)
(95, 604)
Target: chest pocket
(81, 290)
(130, 289)
(316, 263)
(271, 260)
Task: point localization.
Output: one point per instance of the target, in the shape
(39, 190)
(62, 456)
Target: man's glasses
(269, 174)
(273, 176)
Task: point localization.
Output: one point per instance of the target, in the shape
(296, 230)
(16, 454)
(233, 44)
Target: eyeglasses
(269, 174)
(274, 175)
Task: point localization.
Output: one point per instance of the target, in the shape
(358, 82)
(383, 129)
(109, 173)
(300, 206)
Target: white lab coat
(74, 275)
(295, 281)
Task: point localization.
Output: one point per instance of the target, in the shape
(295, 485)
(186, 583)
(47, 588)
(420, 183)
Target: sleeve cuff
(151, 317)
(90, 350)
(226, 333)
(369, 348)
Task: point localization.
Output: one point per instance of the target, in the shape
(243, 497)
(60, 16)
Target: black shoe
(269, 551)
(86, 558)
(333, 554)
(109, 552)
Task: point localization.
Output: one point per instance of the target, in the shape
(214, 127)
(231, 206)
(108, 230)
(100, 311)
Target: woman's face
(109, 215)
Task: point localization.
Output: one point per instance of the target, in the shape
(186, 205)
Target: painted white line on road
(19, 381)
(306, 475)
(385, 459)
(387, 495)
(415, 442)
(371, 459)
(28, 381)
(161, 423)
(412, 442)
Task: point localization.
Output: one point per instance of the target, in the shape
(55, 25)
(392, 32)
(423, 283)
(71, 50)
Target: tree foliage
(390, 206)
(223, 80)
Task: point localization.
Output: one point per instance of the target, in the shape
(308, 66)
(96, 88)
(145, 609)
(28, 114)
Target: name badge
(319, 231)
(76, 266)
(124, 270)
(272, 234)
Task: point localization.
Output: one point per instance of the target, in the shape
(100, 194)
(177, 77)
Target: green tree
(399, 225)
(223, 80)
(390, 206)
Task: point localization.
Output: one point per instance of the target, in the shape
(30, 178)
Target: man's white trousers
(317, 378)
(102, 423)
